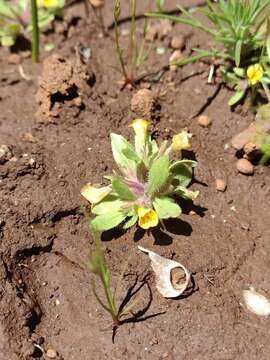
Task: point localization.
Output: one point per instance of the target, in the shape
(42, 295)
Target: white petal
(256, 303)
(163, 268)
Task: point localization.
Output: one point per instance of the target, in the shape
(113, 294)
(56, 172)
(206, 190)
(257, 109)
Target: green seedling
(136, 53)
(262, 135)
(97, 264)
(241, 28)
(22, 16)
(145, 187)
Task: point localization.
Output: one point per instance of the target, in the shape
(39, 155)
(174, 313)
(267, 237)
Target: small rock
(51, 353)
(97, 3)
(151, 34)
(245, 167)
(142, 102)
(60, 28)
(178, 42)
(244, 137)
(221, 185)
(78, 101)
(5, 154)
(176, 55)
(14, 59)
(204, 120)
(26, 54)
(250, 148)
(28, 137)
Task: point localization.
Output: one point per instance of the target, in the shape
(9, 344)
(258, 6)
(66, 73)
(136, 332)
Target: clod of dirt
(51, 353)
(164, 28)
(178, 42)
(62, 81)
(176, 55)
(14, 59)
(204, 120)
(5, 154)
(245, 167)
(240, 140)
(143, 102)
(221, 185)
(251, 150)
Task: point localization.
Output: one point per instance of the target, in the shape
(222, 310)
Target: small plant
(15, 17)
(136, 53)
(144, 190)
(97, 264)
(262, 134)
(241, 27)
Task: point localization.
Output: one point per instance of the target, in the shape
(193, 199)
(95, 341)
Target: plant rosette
(146, 186)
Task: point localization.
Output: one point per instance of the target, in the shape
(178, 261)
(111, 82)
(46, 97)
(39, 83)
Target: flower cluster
(144, 189)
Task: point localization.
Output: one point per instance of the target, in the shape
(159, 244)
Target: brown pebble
(221, 185)
(14, 59)
(176, 55)
(5, 153)
(151, 34)
(77, 101)
(249, 148)
(245, 167)
(51, 353)
(178, 42)
(164, 28)
(244, 137)
(204, 120)
(97, 3)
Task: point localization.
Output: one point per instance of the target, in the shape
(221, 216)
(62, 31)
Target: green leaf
(107, 221)
(239, 72)
(236, 97)
(182, 172)
(166, 208)
(185, 193)
(158, 175)
(123, 152)
(122, 189)
(237, 55)
(7, 41)
(110, 204)
(130, 222)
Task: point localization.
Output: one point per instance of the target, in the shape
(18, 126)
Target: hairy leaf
(107, 221)
(158, 175)
(166, 207)
(123, 152)
(122, 189)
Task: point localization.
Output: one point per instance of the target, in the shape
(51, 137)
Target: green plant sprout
(35, 32)
(262, 134)
(241, 27)
(15, 17)
(145, 187)
(97, 264)
(136, 54)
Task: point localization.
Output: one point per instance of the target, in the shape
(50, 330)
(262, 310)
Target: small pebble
(178, 42)
(245, 167)
(176, 55)
(5, 153)
(204, 120)
(151, 34)
(51, 353)
(14, 59)
(221, 185)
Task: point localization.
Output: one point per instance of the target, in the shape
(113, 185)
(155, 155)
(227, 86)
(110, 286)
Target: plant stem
(35, 32)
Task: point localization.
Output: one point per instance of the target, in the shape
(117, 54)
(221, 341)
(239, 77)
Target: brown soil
(45, 295)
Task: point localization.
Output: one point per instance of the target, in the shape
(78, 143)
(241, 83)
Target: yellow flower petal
(147, 218)
(95, 194)
(140, 125)
(254, 73)
(181, 141)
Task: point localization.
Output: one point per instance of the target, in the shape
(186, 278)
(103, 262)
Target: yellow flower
(147, 218)
(254, 73)
(48, 3)
(95, 194)
(181, 141)
(140, 125)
